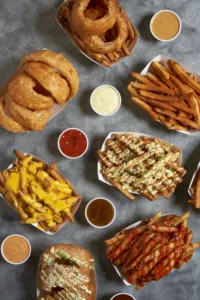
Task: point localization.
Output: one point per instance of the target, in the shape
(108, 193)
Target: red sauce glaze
(123, 297)
(73, 143)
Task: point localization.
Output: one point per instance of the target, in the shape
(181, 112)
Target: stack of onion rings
(47, 78)
(101, 28)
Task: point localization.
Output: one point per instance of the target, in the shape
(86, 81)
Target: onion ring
(60, 63)
(34, 120)
(49, 79)
(8, 123)
(21, 89)
(85, 26)
(95, 12)
(97, 44)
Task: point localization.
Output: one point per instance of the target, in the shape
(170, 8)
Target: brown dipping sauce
(100, 212)
(123, 297)
(165, 25)
(16, 249)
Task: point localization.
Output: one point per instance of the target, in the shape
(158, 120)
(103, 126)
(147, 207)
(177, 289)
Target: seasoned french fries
(145, 166)
(38, 192)
(168, 94)
(153, 249)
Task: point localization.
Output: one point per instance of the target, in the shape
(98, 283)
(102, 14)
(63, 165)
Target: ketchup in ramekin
(73, 143)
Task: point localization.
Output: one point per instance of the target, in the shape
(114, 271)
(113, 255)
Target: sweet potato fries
(153, 249)
(169, 95)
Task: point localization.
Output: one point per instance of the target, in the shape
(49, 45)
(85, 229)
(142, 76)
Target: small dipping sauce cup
(105, 100)
(73, 143)
(165, 25)
(123, 296)
(16, 249)
(100, 212)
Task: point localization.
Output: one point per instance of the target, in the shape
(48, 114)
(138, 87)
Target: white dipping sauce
(105, 100)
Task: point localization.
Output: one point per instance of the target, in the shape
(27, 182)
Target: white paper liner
(100, 176)
(194, 177)
(164, 59)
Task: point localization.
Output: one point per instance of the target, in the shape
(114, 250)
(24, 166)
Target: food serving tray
(164, 59)
(55, 110)
(75, 193)
(70, 36)
(100, 176)
(194, 179)
(134, 225)
(40, 293)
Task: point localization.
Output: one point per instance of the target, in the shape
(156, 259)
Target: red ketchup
(73, 143)
(123, 297)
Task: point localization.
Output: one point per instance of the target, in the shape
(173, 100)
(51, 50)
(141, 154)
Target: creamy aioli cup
(92, 99)
(71, 157)
(100, 227)
(123, 294)
(2, 253)
(153, 18)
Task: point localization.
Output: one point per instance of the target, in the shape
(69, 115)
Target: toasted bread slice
(67, 272)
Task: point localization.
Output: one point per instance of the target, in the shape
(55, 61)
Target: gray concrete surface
(30, 25)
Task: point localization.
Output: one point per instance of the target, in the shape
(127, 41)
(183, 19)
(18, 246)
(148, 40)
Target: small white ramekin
(97, 112)
(100, 227)
(151, 23)
(64, 153)
(12, 263)
(122, 294)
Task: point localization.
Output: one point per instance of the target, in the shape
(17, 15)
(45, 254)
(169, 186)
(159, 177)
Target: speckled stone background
(26, 26)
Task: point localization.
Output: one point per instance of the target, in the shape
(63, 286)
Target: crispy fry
(141, 79)
(156, 103)
(194, 105)
(2, 190)
(180, 119)
(114, 239)
(153, 88)
(184, 76)
(55, 174)
(158, 228)
(54, 166)
(146, 107)
(19, 155)
(157, 81)
(2, 180)
(164, 75)
(158, 96)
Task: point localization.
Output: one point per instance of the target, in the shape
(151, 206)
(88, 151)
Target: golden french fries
(153, 249)
(168, 94)
(38, 192)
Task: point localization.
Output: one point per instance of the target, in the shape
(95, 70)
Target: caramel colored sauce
(100, 212)
(16, 249)
(123, 297)
(165, 25)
